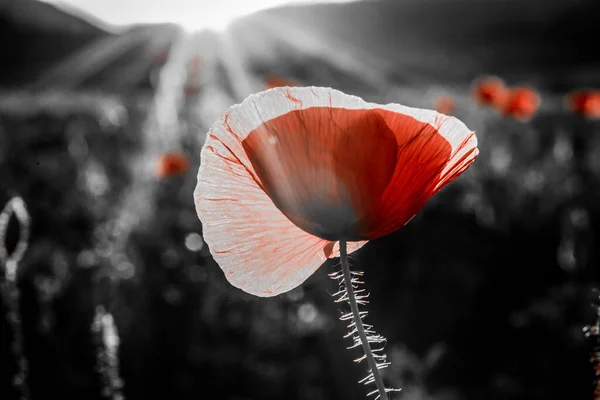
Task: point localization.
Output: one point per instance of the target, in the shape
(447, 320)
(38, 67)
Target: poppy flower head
(490, 92)
(521, 103)
(586, 103)
(445, 104)
(277, 81)
(171, 164)
(291, 171)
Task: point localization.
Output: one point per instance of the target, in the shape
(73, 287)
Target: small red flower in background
(586, 103)
(157, 56)
(171, 164)
(577, 100)
(489, 92)
(192, 85)
(160, 58)
(191, 90)
(196, 64)
(277, 81)
(289, 172)
(445, 104)
(521, 103)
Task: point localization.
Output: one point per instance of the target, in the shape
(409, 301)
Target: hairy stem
(592, 332)
(359, 325)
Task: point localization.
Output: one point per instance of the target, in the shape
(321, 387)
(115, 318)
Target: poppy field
(131, 267)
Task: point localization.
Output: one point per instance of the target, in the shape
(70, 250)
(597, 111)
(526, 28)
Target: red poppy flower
(157, 56)
(576, 101)
(445, 104)
(586, 103)
(196, 64)
(171, 164)
(489, 92)
(521, 103)
(289, 172)
(191, 90)
(192, 85)
(277, 81)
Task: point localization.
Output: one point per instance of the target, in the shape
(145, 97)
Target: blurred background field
(482, 296)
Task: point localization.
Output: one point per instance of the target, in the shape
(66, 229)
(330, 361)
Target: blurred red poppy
(445, 104)
(191, 90)
(171, 164)
(277, 81)
(192, 86)
(157, 56)
(196, 63)
(586, 103)
(521, 103)
(490, 92)
(289, 172)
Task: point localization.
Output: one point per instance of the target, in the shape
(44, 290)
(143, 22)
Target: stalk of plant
(9, 288)
(106, 339)
(362, 334)
(592, 332)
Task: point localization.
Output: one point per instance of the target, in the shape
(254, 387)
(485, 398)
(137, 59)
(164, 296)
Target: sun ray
(69, 73)
(346, 57)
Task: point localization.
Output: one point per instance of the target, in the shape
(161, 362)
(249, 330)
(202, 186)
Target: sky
(190, 14)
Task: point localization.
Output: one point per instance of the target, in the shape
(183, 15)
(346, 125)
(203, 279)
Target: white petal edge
(243, 118)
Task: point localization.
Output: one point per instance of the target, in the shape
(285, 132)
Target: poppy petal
(260, 250)
(429, 159)
(324, 167)
(364, 169)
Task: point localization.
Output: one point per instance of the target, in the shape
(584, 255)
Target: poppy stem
(9, 288)
(358, 321)
(106, 338)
